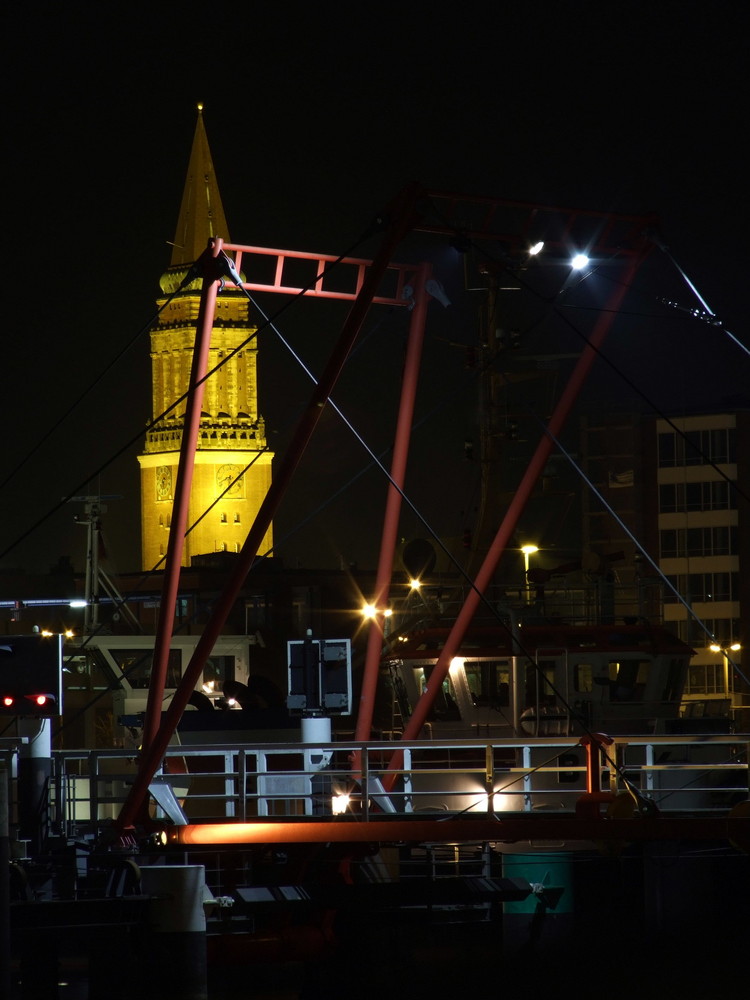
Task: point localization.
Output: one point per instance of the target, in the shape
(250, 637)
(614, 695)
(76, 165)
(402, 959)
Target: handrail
(698, 776)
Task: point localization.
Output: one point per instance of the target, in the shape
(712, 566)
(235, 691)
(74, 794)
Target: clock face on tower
(227, 482)
(164, 483)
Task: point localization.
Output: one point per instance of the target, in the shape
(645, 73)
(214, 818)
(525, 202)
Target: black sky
(315, 120)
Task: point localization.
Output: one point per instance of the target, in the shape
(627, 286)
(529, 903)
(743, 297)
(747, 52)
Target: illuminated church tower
(232, 433)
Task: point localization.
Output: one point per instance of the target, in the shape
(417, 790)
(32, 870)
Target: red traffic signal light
(39, 700)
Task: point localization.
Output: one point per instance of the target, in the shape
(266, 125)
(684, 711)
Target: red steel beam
(389, 536)
(178, 527)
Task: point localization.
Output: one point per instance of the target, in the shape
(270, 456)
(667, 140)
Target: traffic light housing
(31, 675)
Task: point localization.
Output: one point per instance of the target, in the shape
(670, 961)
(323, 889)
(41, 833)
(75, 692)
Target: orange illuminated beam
(485, 830)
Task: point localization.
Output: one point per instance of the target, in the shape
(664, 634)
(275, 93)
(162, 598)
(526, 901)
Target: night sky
(315, 121)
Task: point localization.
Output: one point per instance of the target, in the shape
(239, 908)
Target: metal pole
(393, 502)
(4, 881)
(180, 509)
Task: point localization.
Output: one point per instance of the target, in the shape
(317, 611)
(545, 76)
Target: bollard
(175, 941)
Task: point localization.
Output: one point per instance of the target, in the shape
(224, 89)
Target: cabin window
(539, 681)
(217, 671)
(489, 681)
(627, 679)
(582, 677)
(673, 687)
(136, 666)
(445, 706)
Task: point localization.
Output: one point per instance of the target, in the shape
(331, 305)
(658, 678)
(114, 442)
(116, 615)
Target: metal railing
(703, 775)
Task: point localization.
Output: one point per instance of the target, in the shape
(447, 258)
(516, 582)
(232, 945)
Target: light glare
(579, 261)
(339, 804)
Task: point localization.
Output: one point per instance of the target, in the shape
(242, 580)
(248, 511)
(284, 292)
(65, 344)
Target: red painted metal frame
(517, 504)
(401, 218)
(401, 274)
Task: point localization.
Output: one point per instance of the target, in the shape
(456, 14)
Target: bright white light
(456, 663)
(77, 603)
(579, 262)
(339, 804)
(529, 549)
(388, 612)
(537, 248)
(415, 584)
(735, 647)
(715, 648)
(369, 610)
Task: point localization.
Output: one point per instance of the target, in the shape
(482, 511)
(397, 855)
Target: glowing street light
(527, 551)
(734, 647)
(579, 262)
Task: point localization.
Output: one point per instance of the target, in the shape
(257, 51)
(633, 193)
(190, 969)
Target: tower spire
(232, 469)
(201, 212)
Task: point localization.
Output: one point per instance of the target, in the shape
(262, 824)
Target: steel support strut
(398, 222)
(516, 507)
(393, 502)
(211, 267)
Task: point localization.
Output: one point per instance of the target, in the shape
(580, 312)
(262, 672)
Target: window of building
(705, 678)
(698, 633)
(258, 612)
(704, 587)
(682, 542)
(697, 447)
(695, 496)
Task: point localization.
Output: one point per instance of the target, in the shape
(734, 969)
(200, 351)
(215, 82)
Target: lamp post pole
(527, 551)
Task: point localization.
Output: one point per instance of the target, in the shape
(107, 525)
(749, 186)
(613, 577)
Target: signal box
(319, 676)
(31, 675)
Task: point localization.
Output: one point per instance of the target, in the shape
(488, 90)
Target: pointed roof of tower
(201, 212)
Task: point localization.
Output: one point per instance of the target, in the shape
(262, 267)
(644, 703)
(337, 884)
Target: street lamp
(527, 551)
(735, 647)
